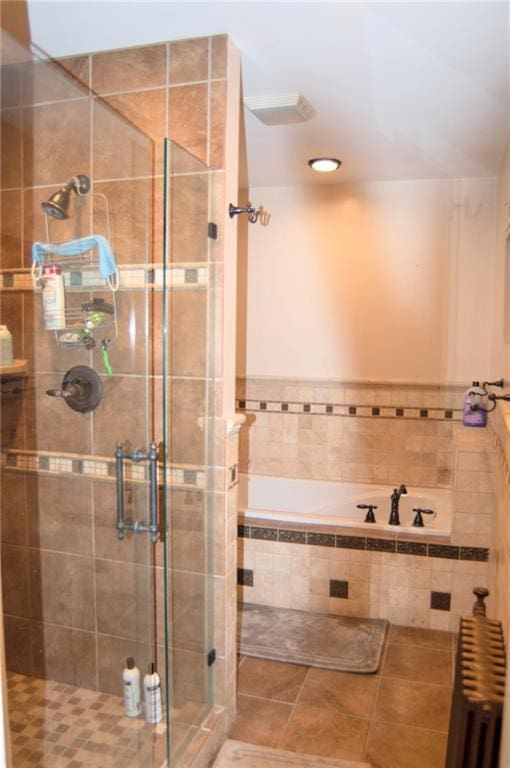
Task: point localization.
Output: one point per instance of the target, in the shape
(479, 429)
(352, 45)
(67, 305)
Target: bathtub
(319, 502)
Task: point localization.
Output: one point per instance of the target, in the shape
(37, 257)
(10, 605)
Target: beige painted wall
(376, 281)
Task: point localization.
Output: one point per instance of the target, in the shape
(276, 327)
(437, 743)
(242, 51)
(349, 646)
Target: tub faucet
(395, 498)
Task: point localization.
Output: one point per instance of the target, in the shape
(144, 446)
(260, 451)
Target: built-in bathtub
(323, 503)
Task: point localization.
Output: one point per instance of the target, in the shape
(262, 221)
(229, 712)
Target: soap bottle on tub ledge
(475, 414)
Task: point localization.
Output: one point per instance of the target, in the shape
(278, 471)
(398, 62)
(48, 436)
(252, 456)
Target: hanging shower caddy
(86, 315)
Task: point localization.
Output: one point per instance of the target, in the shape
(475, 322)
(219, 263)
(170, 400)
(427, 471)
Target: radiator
(478, 692)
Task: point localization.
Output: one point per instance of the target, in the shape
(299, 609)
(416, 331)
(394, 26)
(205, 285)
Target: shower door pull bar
(137, 527)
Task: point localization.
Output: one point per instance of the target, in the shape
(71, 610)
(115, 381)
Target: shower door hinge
(212, 230)
(211, 657)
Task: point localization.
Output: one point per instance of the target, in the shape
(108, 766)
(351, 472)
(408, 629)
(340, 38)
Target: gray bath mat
(317, 639)
(236, 754)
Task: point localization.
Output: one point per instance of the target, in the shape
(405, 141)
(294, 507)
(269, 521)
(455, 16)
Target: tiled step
(237, 754)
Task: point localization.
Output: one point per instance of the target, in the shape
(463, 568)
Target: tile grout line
(284, 732)
(376, 697)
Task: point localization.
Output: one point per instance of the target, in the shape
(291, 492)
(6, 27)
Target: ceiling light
(324, 164)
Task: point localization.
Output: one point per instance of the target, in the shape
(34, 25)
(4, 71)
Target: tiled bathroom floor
(397, 718)
(60, 726)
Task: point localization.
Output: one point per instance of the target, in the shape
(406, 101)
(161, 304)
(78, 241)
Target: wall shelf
(18, 368)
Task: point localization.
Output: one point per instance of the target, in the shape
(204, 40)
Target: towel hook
(254, 214)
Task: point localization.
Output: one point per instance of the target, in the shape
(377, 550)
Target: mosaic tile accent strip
(411, 548)
(337, 409)
(292, 537)
(132, 276)
(100, 467)
(58, 725)
(320, 539)
(313, 537)
(267, 534)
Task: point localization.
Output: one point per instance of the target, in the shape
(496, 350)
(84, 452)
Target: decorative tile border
(98, 467)
(313, 537)
(131, 276)
(337, 409)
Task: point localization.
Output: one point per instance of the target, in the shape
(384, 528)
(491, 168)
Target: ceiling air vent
(282, 109)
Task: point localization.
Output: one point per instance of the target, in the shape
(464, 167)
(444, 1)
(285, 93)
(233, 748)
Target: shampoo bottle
(473, 399)
(5, 346)
(53, 298)
(131, 685)
(152, 693)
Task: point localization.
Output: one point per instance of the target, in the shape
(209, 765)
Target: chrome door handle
(137, 527)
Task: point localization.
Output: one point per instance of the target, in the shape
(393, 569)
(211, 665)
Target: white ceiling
(401, 90)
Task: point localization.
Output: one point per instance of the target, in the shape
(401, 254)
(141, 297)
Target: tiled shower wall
(68, 583)
(376, 433)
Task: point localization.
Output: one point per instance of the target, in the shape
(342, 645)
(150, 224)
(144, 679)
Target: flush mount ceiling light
(324, 164)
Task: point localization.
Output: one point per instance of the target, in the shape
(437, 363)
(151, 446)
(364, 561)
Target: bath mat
(344, 644)
(237, 754)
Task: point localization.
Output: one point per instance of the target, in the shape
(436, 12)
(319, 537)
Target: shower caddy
(85, 322)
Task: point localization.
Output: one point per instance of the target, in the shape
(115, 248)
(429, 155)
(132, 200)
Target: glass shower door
(189, 371)
(79, 599)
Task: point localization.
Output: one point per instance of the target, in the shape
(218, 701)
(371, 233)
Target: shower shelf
(85, 322)
(18, 368)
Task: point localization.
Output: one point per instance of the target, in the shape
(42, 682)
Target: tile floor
(59, 726)
(397, 718)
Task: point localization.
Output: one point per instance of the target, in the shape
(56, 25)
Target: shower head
(57, 205)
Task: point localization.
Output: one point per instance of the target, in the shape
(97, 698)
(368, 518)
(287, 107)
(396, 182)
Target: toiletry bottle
(152, 694)
(53, 297)
(5, 346)
(131, 685)
(474, 397)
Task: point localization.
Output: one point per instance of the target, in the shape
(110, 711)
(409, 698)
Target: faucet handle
(418, 520)
(369, 517)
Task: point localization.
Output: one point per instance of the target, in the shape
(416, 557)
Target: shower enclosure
(87, 581)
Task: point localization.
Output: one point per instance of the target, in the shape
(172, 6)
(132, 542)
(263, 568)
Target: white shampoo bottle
(152, 693)
(131, 685)
(53, 298)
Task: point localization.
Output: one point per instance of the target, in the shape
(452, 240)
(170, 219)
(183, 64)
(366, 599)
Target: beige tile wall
(500, 552)
(381, 585)
(434, 451)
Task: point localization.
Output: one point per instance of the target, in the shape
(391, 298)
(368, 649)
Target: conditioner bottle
(152, 693)
(131, 685)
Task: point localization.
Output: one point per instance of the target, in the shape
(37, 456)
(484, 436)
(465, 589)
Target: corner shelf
(17, 369)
